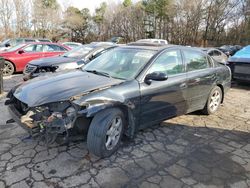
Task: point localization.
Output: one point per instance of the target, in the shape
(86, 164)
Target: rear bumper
(240, 71)
(242, 77)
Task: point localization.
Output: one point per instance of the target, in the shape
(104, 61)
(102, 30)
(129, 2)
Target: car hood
(48, 61)
(242, 56)
(61, 87)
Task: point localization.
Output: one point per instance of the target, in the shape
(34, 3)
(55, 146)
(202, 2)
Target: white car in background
(72, 44)
(216, 54)
(158, 41)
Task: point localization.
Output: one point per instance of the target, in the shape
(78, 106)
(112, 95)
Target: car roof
(205, 49)
(104, 47)
(152, 40)
(157, 47)
(71, 42)
(100, 45)
(148, 46)
(44, 43)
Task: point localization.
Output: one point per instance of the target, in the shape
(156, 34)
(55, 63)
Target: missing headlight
(71, 112)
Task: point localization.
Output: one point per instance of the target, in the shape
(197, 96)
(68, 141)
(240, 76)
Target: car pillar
(1, 74)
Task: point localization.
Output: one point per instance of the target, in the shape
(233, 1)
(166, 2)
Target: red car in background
(18, 56)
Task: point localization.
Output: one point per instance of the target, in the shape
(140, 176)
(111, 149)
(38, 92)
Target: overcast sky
(90, 4)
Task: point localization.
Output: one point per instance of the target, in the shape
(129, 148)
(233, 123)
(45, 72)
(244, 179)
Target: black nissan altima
(120, 92)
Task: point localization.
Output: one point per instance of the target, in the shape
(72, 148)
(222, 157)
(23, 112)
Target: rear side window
(195, 60)
(53, 48)
(217, 53)
(211, 53)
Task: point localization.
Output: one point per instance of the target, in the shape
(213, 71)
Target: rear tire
(213, 101)
(105, 132)
(9, 68)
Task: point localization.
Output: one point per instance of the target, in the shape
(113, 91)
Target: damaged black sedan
(120, 92)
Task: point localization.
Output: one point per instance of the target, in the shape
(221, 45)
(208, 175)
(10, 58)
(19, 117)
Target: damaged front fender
(91, 105)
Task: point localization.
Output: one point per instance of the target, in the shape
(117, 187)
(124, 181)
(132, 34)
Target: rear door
(200, 78)
(164, 99)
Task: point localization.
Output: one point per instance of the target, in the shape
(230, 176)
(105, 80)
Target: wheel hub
(113, 134)
(215, 100)
(7, 69)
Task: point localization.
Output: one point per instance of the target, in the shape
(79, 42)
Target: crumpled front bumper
(16, 116)
(29, 76)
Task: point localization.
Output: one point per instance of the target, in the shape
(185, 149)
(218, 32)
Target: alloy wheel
(8, 69)
(114, 132)
(215, 101)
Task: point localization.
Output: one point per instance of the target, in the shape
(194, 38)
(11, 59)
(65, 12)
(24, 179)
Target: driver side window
(169, 62)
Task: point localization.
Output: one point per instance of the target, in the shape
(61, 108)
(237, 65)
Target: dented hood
(60, 87)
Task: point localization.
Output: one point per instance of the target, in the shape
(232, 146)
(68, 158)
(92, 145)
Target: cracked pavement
(193, 150)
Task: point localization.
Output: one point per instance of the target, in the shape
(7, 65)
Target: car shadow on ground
(163, 155)
(209, 156)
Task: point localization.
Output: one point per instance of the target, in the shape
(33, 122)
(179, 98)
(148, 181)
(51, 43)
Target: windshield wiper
(99, 73)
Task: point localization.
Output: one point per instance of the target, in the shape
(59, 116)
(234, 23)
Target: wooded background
(187, 22)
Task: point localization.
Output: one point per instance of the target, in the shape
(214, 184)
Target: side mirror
(156, 76)
(7, 45)
(21, 51)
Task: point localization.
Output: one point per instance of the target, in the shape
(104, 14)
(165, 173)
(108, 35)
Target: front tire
(213, 101)
(105, 132)
(9, 68)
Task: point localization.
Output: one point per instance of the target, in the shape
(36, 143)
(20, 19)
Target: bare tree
(6, 14)
(22, 15)
(47, 17)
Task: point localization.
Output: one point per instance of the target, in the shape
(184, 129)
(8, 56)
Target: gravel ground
(188, 151)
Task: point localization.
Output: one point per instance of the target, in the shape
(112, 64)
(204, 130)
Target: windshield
(15, 47)
(79, 51)
(120, 63)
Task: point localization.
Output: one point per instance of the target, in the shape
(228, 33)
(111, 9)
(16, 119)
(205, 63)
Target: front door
(30, 52)
(161, 100)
